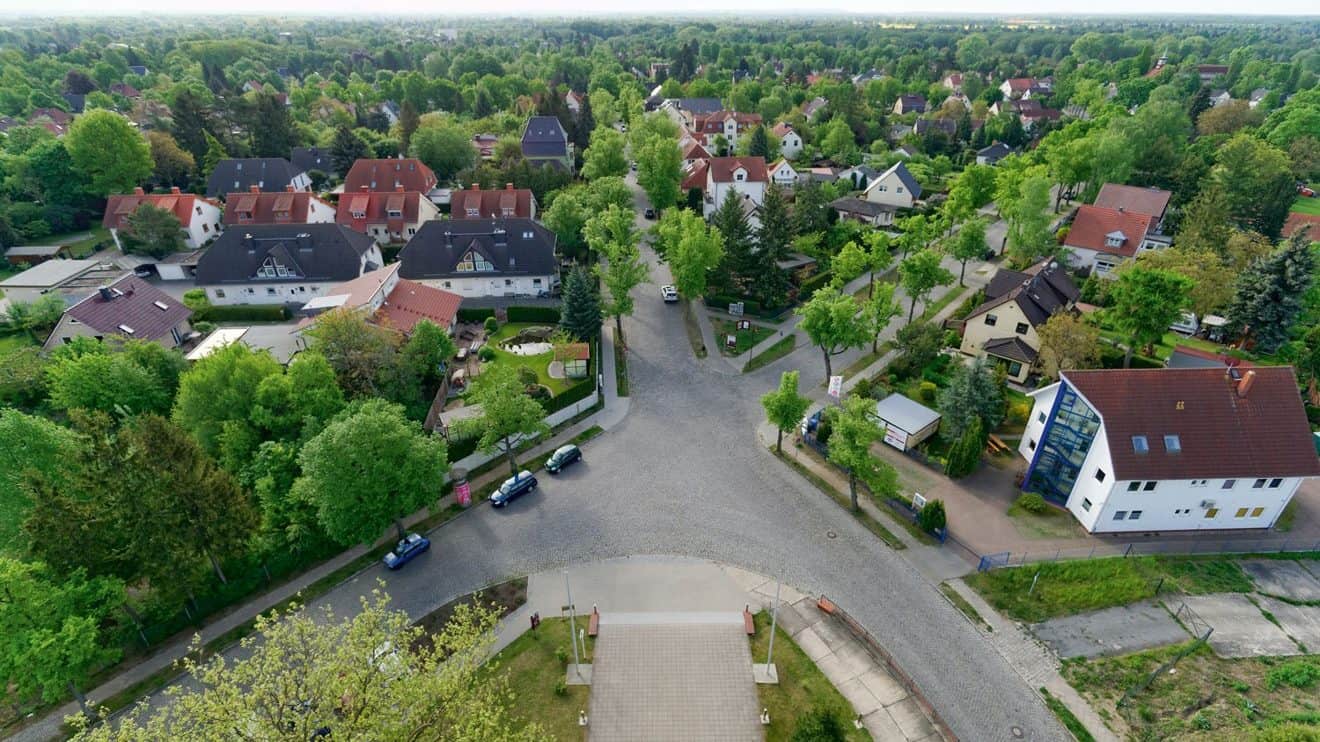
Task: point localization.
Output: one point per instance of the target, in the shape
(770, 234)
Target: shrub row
(576, 394)
(241, 313)
(810, 286)
(471, 314)
(546, 315)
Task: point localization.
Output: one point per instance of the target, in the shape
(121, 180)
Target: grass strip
(771, 354)
(802, 687)
(1066, 716)
(961, 604)
(845, 502)
(930, 310)
(859, 365)
(693, 330)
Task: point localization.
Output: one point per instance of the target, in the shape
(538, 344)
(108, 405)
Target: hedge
(474, 314)
(242, 313)
(810, 286)
(547, 315)
(576, 394)
(750, 306)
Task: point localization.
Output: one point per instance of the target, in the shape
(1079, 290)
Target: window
(1086, 504)
(1134, 515)
(1120, 515)
(1258, 484)
(447, 285)
(1200, 482)
(1274, 483)
(219, 293)
(1134, 486)
(508, 282)
(1041, 416)
(394, 214)
(536, 282)
(473, 213)
(1021, 328)
(1150, 487)
(1256, 512)
(898, 189)
(1210, 513)
(882, 188)
(1139, 444)
(1228, 484)
(1183, 511)
(990, 320)
(270, 291)
(1031, 444)
(1241, 513)
(1172, 444)
(1099, 475)
(474, 261)
(1014, 369)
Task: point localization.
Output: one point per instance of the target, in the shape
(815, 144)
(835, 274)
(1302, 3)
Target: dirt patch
(507, 596)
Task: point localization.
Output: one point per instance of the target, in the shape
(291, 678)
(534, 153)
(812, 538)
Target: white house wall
(1175, 505)
(1042, 404)
(492, 285)
(1087, 487)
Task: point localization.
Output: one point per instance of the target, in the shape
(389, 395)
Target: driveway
(685, 474)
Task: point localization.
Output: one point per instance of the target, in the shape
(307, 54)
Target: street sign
(918, 502)
(731, 341)
(744, 324)
(836, 386)
(736, 309)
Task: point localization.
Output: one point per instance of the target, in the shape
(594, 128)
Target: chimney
(105, 290)
(1244, 386)
(254, 189)
(288, 188)
(476, 186)
(174, 190)
(398, 189)
(139, 192)
(508, 186)
(364, 189)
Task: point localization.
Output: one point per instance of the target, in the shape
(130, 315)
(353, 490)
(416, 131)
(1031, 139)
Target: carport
(907, 423)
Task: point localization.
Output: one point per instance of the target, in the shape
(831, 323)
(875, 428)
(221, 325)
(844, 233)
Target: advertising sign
(463, 492)
(896, 437)
(836, 386)
(736, 309)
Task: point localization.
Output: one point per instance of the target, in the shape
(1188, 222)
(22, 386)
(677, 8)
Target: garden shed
(907, 423)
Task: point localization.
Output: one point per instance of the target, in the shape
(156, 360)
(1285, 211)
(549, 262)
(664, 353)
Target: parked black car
(513, 488)
(562, 457)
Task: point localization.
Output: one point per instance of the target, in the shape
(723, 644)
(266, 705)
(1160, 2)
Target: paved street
(686, 474)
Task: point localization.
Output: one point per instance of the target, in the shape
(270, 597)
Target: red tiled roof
(1020, 84)
(262, 208)
(375, 208)
(782, 129)
(1297, 220)
(411, 302)
(491, 204)
(695, 176)
(1222, 433)
(388, 175)
(1138, 200)
(1093, 224)
(721, 169)
(714, 123)
(118, 208)
(133, 304)
(696, 152)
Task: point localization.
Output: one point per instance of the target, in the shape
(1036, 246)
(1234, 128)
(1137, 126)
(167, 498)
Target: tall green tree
(965, 454)
(36, 318)
(442, 144)
(112, 154)
(105, 382)
(973, 392)
(409, 120)
(152, 231)
(758, 143)
(920, 273)
(785, 407)
(1024, 202)
(1257, 182)
(508, 415)
(692, 250)
(171, 164)
(303, 398)
(220, 391)
(1145, 302)
(369, 468)
(739, 266)
(1268, 297)
(364, 356)
(830, 320)
(581, 313)
(347, 148)
(878, 311)
(605, 156)
(1204, 224)
(853, 428)
(623, 271)
(273, 134)
(29, 445)
(968, 244)
(212, 155)
(659, 170)
(1067, 342)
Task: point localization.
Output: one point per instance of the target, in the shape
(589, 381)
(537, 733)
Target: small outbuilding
(907, 423)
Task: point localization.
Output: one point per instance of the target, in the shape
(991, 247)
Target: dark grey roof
(77, 101)
(544, 137)
(700, 105)
(1012, 348)
(235, 175)
(1040, 296)
(130, 307)
(307, 159)
(309, 252)
(948, 126)
(909, 181)
(1004, 281)
(858, 206)
(997, 151)
(515, 247)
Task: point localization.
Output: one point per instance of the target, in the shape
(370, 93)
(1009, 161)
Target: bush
(241, 313)
(204, 327)
(486, 353)
(538, 392)
(1018, 412)
(561, 654)
(561, 687)
(952, 339)
(818, 725)
(474, 314)
(927, 391)
(932, 517)
(195, 299)
(526, 376)
(543, 315)
(1294, 674)
(1032, 503)
(813, 284)
(491, 324)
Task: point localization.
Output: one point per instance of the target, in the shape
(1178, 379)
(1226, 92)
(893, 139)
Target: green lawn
(802, 686)
(747, 339)
(1069, 587)
(1164, 348)
(538, 363)
(79, 248)
(533, 670)
(1307, 205)
(771, 354)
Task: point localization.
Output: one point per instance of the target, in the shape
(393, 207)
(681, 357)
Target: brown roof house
(1004, 328)
(744, 176)
(1152, 202)
(475, 203)
(1171, 449)
(388, 301)
(387, 217)
(199, 217)
(129, 308)
(389, 175)
(289, 207)
(1100, 239)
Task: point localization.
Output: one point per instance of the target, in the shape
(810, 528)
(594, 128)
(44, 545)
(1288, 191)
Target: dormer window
(1139, 444)
(272, 268)
(1115, 239)
(394, 213)
(282, 216)
(473, 212)
(507, 212)
(1172, 444)
(244, 216)
(359, 214)
(474, 262)
(740, 176)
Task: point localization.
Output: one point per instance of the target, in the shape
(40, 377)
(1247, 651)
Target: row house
(388, 217)
(200, 218)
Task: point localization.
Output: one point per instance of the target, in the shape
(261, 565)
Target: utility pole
(572, 626)
(774, 621)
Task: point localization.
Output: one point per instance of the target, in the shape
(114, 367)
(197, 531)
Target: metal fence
(1176, 546)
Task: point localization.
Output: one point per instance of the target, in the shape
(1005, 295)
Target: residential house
(389, 301)
(745, 176)
(1208, 72)
(389, 175)
(129, 308)
(484, 144)
(71, 280)
(289, 207)
(1219, 98)
(389, 109)
(483, 257)
(953, 81)
(1257, 97)
(493, 204)
(308, 159)
(573, 101)
(284, 263)
(138, 69)
(544, 142)
(910, 103)
(1016, 87)
(1029, 111)
(894, 187)
(728, 124)
(1157, 450)
(782, 174)
(272, 174)
(813, 106)
(993, 154)
(1005, 327)
(1150, 201)
(693, 152)
(947, 127)
(1100, 239)
(867, 212)
(387, 217)
(694, 176)
(790, 142)
(859, 176)
(685, 110)
(199, 217)
(861, 79)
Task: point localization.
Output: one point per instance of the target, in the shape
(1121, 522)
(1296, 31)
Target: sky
(1015, 8)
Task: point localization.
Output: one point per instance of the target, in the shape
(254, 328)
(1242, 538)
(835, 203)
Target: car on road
(513, 488)
(406, 550)
(669, 294)
(1305, 190)
(649, 213)
(562, 457)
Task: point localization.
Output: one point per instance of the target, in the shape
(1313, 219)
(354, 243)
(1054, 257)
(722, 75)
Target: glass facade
(1063, 446)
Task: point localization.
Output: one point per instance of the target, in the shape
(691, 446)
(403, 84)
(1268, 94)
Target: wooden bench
(593, 623)
(749, 624)
(997, 445)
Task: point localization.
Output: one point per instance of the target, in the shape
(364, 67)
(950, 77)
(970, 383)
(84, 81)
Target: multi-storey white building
(1170, 449)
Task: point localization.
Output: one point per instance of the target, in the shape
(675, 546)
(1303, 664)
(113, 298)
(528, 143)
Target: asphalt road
(685, 474)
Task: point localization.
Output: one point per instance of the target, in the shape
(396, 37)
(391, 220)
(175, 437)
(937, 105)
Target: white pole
(572, 625)
(774, 621)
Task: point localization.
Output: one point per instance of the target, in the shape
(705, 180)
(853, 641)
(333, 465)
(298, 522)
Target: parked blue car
(406, 550)
(513, 488)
